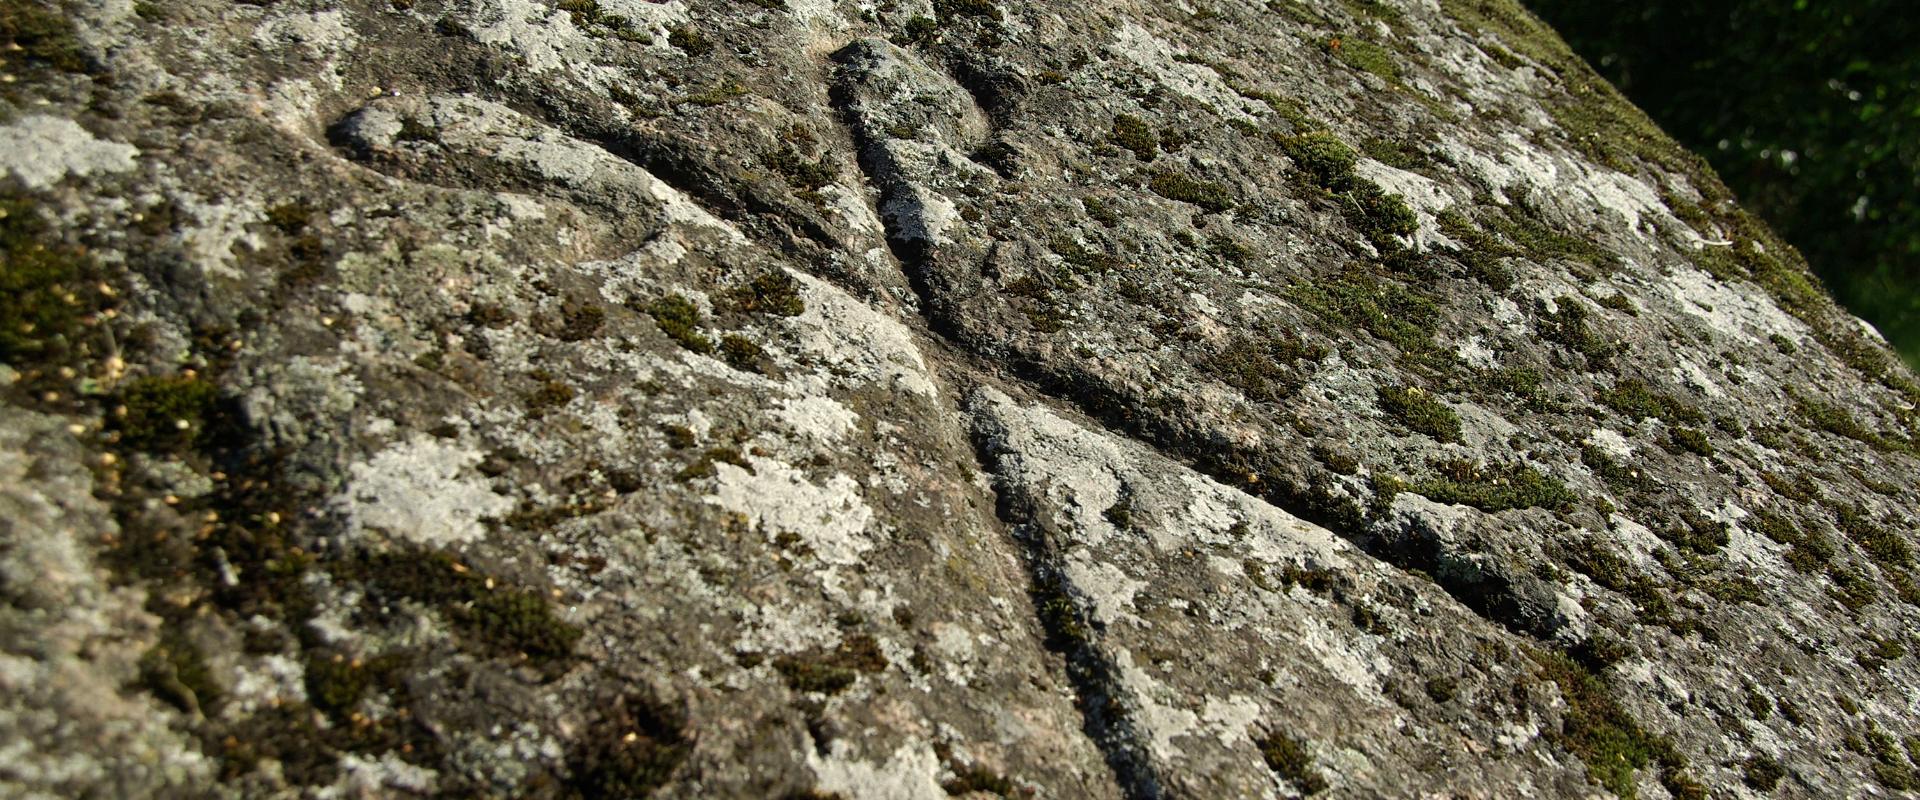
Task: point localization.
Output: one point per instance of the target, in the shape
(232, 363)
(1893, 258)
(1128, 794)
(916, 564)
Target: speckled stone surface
(813, 399)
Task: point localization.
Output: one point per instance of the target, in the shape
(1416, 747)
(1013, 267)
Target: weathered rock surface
(797, 398)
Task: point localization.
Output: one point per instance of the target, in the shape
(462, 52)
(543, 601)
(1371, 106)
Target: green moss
(1328, 163)
(176, 671)
(1891, 768)
(40, 36)
(1499, 487)
(982, 9)
(493, 615)
(1208, 195)
(1288, 758)
(832, 673)
(1835, 420)
(1532, 235)
(1524, 383)
(1600, 731)
(1618, 301)
(1082, 259)
(689, 40)
(1903, 585)
(1263, 368)
(1395, 153)
(1289, 109)
(1380, 216)
(1633, 399)
(1610, 571)
(1683, 786)
(292, 217)
(165, 412)
(918, 29)
(1850, 589)
(679, 319)
(1761, 772)
(1060, 616)
(1388, 309)
(336, 683)
(48, 291)
(1884, 546)
(580, 320)
(632, 750)
(550, 393)
(1099, 211)
(1326, 160)
(1735, 589)
(1697, 533)
(1690, 440)
(1813, 552)
(1774, 526)
(1133, 134)
(1420, 411)
(1047, 314)
(718, 94)
(1365, 56)
(741, 353)
(801, 173)
(589, 16)
(1224, 247)
(1567, 325)
(1483, 254)
(978, 778)
(1616, 475)
(772, 292)
(1338, 460)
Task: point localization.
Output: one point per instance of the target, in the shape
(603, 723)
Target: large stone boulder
(812, 398)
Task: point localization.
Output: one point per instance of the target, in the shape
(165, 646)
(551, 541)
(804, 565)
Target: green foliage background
(1809, 110)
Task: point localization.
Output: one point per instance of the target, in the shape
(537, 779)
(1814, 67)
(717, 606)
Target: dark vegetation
(1805, 109)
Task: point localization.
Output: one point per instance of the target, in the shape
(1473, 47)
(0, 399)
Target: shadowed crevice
(1106, 718)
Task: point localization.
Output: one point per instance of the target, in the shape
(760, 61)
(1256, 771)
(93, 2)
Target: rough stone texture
(811, 399)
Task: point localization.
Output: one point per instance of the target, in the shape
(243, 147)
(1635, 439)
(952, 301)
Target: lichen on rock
(794, 399)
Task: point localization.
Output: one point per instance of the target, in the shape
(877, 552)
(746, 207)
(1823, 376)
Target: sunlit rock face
(812, 399)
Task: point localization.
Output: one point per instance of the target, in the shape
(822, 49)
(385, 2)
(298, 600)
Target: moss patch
(1600, 731)
(1328, 163)
(494, 615)
(1365, 56)
(589, 16)
(1263, 368)
(1208, 195)
(1134, 135)
(831, 672)
(1499, 487)
(773, 292)
(679, 319)
(742, 353)
(40, 36)
(633, 748)
(1388, 309)
(1835, 420)
(1415, 408)
(48, 291)
(1288, 758)
(165, 413)
(175, 670)
(1482, 253)
(1690, 440)
(1635, 400)
(1567, 325)
(1322, 157)
(803, 174)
